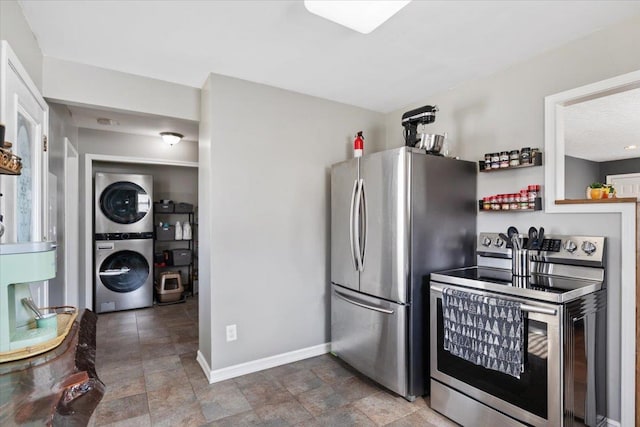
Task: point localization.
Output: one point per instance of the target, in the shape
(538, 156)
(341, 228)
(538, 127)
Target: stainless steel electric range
(563, 313)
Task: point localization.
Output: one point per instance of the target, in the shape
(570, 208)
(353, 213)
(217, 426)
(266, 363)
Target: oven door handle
(523, 307)
(541, 310)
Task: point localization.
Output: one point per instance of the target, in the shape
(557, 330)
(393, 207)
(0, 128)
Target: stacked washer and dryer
(123, 227)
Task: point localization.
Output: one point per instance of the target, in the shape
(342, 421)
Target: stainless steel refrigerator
(396, 216)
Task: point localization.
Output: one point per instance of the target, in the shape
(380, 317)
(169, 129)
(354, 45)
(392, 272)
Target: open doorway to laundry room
(137, 348)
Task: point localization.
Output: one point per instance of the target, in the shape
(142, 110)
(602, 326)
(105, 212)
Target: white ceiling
(425, 48)
(599, 129)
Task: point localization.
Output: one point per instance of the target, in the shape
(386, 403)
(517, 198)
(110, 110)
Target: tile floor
(146, 358)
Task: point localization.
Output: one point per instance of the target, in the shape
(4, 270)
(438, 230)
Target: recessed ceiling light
(362, 15)
(630, 147)
(107, 122)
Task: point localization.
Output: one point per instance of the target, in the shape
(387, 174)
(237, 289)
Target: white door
(627, 185)
(25, 115)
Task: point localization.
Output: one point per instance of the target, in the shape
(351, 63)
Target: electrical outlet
(232, 333)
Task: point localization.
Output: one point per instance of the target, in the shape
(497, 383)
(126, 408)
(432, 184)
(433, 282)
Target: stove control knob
(588, 247)
(486, 241)
(570, 246)
(499, 243)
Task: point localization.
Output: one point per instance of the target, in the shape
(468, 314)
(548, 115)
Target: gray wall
(506, 111)
(265, 155)
(578, 174)
(618, 167)
(15, 30)
(60, 127)
(72, 82)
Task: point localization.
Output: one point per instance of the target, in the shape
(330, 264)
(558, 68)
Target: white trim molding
(88, 208)
(608, 422)
(260, 364)
(554, 190)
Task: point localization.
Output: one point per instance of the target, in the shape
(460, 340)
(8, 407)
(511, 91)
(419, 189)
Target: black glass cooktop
(536, 286)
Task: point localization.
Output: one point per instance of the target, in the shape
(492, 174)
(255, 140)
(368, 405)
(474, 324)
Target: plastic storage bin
(183, 208)
(178, 257)
(163, 207)
(165, 233)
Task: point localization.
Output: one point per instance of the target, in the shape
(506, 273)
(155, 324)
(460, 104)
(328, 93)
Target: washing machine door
(125, 202)
(124, 271)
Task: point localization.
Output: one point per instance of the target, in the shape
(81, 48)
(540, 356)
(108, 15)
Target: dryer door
(124, 271)
(125, 202)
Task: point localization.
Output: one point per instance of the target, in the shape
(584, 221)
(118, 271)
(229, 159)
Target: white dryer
(123, 203)
(123, 273)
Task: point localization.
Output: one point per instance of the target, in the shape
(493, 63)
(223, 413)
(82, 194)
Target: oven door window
(529, 392)
(124, 202)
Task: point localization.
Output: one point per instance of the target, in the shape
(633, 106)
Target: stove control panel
(588, 250)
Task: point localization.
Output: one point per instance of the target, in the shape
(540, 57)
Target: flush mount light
(630, 147)
(171, 138)
(362, 16)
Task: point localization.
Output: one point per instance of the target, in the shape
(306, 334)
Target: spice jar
(525, 156)
(514, 158)
(532, 194)
(506, 204)
(494, 203)
(486, 204)
(534, 153)
(495, 160)
(504, 159)
(513, 201)
(487, 161)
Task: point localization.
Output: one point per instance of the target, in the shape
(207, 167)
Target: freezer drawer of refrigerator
(370, 335)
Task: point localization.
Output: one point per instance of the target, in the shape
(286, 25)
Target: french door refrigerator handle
(356, 226)
(359, 304)
(351, 224)
(365, 228)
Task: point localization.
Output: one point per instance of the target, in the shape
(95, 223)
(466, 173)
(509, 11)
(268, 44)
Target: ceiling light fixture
(630, 147)
(362, 15)
(171, 138)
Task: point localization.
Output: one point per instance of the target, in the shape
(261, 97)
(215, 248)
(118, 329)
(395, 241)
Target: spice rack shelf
(537, 207)
(536, 160)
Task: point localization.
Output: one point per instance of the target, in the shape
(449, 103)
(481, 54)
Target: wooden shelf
(592, 201)
(538, 207)
(535, 161)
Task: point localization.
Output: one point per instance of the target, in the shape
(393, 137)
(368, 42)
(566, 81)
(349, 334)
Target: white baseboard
(260, 364)
(608, 422)
(204, 365)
